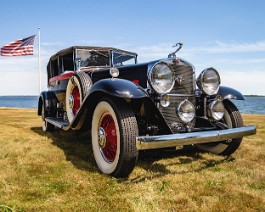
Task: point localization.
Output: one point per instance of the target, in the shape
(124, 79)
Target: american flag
(20, 47)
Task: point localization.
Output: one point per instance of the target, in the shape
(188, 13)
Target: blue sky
(228, 35)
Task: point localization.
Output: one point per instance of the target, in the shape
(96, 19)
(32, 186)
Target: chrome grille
(180, 92)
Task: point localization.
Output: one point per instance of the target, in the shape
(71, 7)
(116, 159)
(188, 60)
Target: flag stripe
(20, 47)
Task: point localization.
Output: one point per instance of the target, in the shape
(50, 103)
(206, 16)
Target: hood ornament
(179, 79)
(173, 54)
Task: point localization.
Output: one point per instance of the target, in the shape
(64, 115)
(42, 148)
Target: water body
(252, 105)
(19, 101)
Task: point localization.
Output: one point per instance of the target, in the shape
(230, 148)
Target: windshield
(121, 59)
(86, 58)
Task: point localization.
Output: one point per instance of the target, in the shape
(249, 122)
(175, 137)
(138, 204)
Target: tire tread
(237, 121)
(85, 82)
(129, 131)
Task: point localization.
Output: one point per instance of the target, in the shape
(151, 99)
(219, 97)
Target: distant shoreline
(253, 104)
(254, 96)
(19, 96)
(17, 108)
(35, 109)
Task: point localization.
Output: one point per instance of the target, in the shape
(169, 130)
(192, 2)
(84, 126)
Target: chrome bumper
(162, 141)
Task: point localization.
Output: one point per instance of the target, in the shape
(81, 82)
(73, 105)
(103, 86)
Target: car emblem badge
(179, 79)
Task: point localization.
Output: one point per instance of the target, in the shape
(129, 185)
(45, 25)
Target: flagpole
(39, 61)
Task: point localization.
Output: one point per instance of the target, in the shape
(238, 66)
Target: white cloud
(19, 83)
(16, 63)
(153, 52)
(20, 75)
(247, 83)
(233, 47)
(242, 61)
(162, 50)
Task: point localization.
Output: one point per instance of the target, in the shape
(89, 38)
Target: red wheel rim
(108, 147)
(76, 96)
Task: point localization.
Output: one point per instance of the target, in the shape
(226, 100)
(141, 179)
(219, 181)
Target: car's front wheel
(113, 133)
(232, 119)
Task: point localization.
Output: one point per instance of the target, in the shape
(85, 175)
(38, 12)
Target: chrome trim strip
(181, 95)
(162, 141)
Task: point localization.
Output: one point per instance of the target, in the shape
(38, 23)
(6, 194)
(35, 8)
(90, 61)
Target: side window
(60, 65)
(67, 62)
(54, 68)
(49, 71)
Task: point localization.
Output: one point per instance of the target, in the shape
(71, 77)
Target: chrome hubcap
(71, 101)
(107, 138)
(102, 139)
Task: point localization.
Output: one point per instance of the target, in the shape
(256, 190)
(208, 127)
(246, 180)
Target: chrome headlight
(186, 111)
(209, 81)
(161, 78)
(216, 110)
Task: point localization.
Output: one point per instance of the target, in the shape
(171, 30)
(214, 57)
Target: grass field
(56, 172)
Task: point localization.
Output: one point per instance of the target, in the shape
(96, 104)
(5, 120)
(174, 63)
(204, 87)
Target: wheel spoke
(114, 131)
(76, 96)
(109, 149)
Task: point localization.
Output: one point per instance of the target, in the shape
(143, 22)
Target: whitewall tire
(113, 133)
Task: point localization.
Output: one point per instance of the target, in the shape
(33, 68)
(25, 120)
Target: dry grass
(57, 172)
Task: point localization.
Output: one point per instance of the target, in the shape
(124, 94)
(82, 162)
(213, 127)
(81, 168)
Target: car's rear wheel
(113, 133)
(233, 119)
(46, 126)
(77, 88)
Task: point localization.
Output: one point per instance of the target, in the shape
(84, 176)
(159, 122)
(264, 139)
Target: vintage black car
(130, 107)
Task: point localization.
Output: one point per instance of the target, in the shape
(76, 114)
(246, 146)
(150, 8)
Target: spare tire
(77, 88)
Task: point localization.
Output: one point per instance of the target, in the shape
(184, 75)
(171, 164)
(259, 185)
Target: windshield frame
(133, 55)
(93, 51)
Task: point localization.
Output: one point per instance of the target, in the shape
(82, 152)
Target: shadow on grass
(78, 149)
(75, 145)
(186, 157)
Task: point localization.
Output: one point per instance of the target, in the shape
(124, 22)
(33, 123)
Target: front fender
(48, 98)
(119, 88)
(111, 88)
(230, 93)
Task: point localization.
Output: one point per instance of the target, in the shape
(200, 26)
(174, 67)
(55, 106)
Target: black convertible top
(96, 48)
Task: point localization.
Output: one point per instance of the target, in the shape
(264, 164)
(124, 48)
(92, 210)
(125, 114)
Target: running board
(58, 122)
